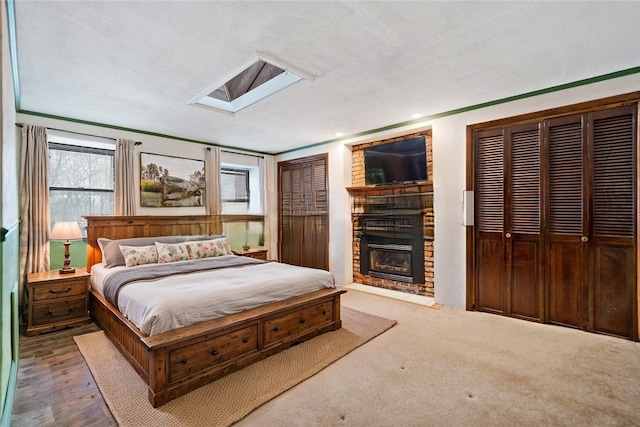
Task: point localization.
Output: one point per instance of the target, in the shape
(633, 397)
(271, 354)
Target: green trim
(13, 50)
(7, 406)
(591, 80)
(143, 132)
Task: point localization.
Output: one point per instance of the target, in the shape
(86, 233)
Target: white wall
(449, 151)
(449, 175)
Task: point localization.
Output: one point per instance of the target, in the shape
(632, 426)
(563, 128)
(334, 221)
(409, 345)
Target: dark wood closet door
(555, 224)
(566, 216)
(591, 274)
(524, 242)
(303, 212)
(612, 259)
(508, 222)
(490, 251)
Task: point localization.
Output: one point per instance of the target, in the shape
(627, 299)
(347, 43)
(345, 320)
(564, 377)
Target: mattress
(162, 304)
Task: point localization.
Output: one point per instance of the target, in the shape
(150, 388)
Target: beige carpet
(455, 368)
(230, 398)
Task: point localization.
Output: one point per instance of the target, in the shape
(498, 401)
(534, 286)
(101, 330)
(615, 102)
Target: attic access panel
(254, 80)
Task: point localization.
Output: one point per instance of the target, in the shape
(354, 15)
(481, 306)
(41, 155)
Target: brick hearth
(359, 192)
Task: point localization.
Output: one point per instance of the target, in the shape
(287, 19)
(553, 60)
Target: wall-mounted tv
(396, 162)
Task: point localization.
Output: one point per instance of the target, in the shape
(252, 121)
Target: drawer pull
(302, 320)
(183, 361)
(276, 329)
(59, 292)
(245, 340)
(52, 314)
(324, 312)
(214, 352)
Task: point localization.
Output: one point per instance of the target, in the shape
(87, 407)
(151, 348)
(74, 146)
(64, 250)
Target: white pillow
(139, 255)
(223, 244)
(171, 252)
(204, 249)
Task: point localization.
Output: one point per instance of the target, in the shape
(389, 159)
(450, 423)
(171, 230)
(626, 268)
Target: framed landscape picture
(167, 181)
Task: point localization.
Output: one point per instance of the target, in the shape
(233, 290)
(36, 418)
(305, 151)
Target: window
(81, 180)
(235, 185)
(242, 188)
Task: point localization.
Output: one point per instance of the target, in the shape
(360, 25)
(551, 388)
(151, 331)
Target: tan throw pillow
(139, 255)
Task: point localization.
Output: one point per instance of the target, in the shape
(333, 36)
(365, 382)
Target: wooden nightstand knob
(53, 291)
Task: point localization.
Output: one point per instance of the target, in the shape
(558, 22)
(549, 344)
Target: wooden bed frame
(176, 362)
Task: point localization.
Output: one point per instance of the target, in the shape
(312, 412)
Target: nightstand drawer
(59, 310)
(57, 301)
(54, 290)
(253, 253)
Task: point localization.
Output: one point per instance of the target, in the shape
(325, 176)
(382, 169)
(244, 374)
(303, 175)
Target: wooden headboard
(126, 227)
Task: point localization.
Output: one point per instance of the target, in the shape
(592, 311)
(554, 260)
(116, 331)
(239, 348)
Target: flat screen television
(396, 162)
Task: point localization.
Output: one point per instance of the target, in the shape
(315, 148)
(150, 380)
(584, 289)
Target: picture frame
(168, 181)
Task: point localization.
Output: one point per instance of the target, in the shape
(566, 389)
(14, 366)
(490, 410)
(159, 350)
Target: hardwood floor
(55, 386)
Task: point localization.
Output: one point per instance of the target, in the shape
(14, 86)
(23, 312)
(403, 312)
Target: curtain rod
(242, 154)
(78, 133)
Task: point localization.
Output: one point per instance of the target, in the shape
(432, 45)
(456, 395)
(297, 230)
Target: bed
(177, 361)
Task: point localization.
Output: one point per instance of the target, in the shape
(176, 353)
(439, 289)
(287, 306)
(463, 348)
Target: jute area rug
(232, 397)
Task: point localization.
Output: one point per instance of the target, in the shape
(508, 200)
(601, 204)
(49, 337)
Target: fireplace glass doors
(390, 262)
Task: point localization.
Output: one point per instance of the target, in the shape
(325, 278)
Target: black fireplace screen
(392, 260)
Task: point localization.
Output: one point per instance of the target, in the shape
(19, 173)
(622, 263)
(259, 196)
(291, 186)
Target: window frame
(238, 172)
(52, 145)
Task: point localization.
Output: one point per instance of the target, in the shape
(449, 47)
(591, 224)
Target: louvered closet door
(567, 227)
(524, 246)
(555, 235)
(613, 255)
(315, 215)
(289, 183)
(489, 219)
(508, 222)
(303, 212)
(591, 255)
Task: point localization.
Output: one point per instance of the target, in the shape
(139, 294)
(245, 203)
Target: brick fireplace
(393, 228)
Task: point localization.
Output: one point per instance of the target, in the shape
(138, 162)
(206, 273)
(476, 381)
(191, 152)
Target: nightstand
(57, 301)
(253, 253)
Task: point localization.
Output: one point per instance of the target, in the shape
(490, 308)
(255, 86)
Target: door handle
(508, 235)
(584, 239)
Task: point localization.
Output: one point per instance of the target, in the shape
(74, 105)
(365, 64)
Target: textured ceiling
(136, 64)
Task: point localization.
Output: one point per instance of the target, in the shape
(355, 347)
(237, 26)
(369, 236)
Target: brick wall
(360, 190)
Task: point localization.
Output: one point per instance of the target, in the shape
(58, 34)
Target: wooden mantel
(392, 189)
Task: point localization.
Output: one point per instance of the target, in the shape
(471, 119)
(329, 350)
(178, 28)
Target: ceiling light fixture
(417, 115)
(254, 80)
(339, 134)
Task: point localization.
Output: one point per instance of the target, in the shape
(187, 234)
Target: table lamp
(66, 231)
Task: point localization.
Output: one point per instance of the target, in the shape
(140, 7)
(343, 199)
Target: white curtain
(213, 197)
(268, 164)
(125, 196)
(34, 202)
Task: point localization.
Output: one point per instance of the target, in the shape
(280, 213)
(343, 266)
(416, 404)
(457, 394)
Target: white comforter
(160, 305)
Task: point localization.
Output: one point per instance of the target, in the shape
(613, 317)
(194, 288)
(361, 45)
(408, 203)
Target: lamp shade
(65, 231)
